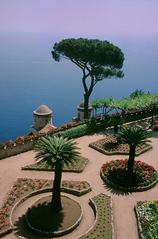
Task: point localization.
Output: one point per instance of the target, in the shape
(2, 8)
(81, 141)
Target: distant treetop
(90, 51)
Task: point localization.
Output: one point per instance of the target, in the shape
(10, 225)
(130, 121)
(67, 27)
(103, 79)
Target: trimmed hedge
(74, 132)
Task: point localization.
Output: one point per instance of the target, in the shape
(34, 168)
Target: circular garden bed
(114, 174)
(42, 219)
(24, 188)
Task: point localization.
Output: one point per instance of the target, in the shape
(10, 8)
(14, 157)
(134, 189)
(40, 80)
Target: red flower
(28, 138)
(19, 140)
(114, 168)
(146, 177)
(9, 143)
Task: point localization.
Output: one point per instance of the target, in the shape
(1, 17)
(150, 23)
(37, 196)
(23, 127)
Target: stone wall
(8, 151)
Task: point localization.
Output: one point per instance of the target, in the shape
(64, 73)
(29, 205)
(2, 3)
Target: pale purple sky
(80, 17)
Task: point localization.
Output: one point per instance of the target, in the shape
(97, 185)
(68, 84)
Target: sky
(82, 17)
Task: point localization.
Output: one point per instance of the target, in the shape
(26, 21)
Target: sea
(30, 77)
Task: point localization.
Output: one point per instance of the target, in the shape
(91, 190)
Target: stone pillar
(80, 112)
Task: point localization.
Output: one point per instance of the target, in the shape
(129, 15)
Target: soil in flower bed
(42, 217)
(147, 217)
(24, 186)
(114, 173)
(77, 166)
(110, 146)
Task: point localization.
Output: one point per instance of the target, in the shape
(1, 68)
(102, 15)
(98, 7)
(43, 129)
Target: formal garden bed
(103, 226)
(114, 174)
(24, 188)
(76, 167)
(110, 146)
(147, 219)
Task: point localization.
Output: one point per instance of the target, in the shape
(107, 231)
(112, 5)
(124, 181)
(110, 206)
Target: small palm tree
(133, 136)
(56, 151)
(117, 120)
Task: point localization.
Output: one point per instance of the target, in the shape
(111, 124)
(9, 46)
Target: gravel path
(124, 218)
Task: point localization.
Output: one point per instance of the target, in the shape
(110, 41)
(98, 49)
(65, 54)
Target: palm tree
(116, 121)
(56, 151)
(133, 136)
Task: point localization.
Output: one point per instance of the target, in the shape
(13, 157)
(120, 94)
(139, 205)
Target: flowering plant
(28, 138)
(64, 126)
(116, 172)
(148, 218)
(9, 143)
(19, 140)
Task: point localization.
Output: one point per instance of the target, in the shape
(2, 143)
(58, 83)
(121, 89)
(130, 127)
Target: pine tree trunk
(130, 163)
(56, 196)
(86, 104)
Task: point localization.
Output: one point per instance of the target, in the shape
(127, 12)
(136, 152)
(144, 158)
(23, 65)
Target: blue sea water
(30, 77)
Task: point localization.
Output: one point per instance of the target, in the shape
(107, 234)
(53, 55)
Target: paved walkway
(124, 217)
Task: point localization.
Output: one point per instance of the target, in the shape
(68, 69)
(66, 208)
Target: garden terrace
(10, 170)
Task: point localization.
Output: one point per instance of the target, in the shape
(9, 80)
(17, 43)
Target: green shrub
(137, 93)
(74, 132)
(94, 126)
